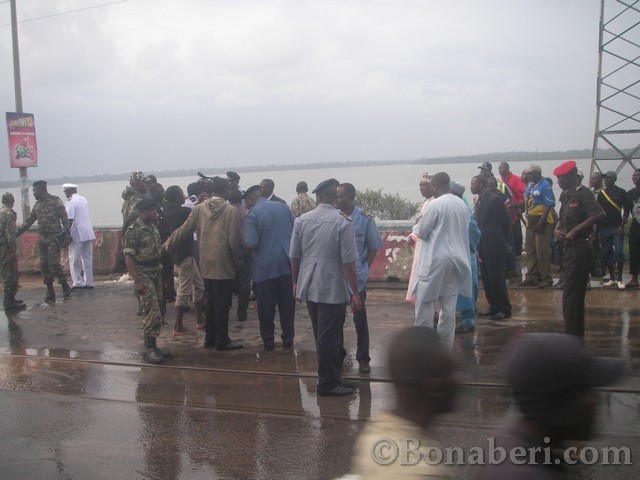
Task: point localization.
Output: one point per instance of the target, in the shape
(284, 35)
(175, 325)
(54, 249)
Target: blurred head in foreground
(423, 371)
(553, 376)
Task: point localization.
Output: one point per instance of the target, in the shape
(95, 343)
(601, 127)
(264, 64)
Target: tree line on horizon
(485, 157)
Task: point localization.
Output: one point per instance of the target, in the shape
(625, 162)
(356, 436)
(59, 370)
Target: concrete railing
(392, 263)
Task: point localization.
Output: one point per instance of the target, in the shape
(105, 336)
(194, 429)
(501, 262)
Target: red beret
(566, 167)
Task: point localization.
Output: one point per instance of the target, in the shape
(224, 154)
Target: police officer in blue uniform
(323, 265)
(368, 242)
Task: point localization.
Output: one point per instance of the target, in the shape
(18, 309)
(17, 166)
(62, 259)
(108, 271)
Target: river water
(105, 197)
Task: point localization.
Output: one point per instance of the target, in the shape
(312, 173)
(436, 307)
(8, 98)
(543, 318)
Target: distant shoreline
(185, 172)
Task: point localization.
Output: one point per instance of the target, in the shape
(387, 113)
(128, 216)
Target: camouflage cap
(7, 198)
(137, 176)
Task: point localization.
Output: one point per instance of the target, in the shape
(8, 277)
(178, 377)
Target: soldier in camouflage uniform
(54, 234)
(136, 191)
(8, 255)
(142, 252)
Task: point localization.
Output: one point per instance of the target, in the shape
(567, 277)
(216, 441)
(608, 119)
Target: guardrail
(392, 263)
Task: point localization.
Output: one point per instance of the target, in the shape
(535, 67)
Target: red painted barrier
(104, 252)
(392, 262)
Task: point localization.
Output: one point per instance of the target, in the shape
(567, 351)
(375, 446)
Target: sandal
(184, 331)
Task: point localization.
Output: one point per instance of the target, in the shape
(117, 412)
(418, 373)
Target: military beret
(331, 182)
(250, 190)
(233, 175)
(145, 204)
(39, 182)
(565, 168)
(611, 174)
(69, 186)
(137, 176)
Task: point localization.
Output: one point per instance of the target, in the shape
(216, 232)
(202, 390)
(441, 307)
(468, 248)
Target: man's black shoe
(462, 329)
(364, 368)
(230, 346)
(268, 347)
(287, 345)
(349, 384)
(209, 344)
(487, 313)
(500, 316)
(336, 391)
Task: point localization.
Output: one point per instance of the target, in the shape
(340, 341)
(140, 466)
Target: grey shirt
(323, 241)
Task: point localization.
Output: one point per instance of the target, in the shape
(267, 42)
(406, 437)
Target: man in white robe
(82, 238)
(444, 265)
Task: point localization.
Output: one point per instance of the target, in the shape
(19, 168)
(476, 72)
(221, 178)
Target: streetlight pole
(24, 188)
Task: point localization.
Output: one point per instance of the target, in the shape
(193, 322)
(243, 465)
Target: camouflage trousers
(152, 302)
(49, 252)
(9, 273)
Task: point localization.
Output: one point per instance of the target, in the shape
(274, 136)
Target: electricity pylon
(618, 90)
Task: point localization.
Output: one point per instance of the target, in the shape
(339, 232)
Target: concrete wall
(392, 263)
(104, 251)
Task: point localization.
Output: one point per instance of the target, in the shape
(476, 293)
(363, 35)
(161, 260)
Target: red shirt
(516, 188)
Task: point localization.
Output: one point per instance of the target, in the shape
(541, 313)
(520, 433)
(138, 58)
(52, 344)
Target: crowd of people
(222, 240)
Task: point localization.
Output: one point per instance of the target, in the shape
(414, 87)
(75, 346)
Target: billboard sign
(23, 151)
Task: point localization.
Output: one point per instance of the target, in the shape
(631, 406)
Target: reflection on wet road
(79, 401)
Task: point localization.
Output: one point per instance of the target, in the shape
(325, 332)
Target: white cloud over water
(154, 85)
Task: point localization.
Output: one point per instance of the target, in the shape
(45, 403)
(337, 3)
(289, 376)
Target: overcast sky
(156, 84)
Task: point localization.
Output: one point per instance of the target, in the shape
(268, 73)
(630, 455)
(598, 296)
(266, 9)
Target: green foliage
(386, 206)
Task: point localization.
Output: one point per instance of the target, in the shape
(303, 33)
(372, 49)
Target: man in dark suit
(493, 249)
(266, 190)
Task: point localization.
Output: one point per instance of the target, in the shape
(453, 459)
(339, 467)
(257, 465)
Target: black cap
(250, 190)
(233, 175)
(485, 166)
(331, 182)
(547, 364)
(145, 204)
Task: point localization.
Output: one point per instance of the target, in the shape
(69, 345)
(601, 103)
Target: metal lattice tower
(618, 91)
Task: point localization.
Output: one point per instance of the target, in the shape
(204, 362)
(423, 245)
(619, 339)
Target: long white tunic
(444, 264)
(78, 211)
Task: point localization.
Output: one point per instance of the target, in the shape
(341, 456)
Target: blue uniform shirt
(367, 238)
(323, 241)
(268, 226)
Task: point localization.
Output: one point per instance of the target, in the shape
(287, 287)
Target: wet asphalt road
(79, 401)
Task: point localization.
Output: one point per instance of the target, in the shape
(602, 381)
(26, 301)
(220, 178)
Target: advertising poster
(22, 140)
